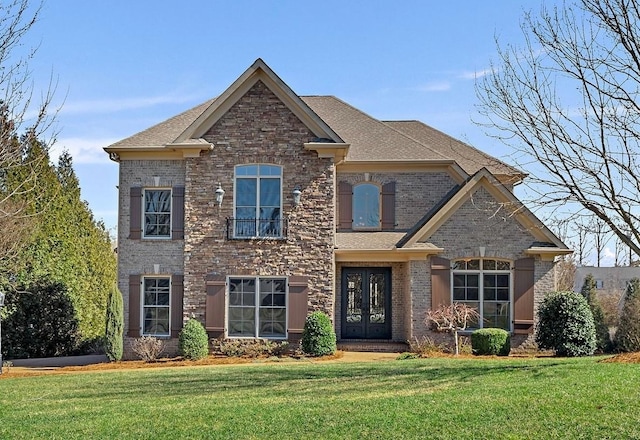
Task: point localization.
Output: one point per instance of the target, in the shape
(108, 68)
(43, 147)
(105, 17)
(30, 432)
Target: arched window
(486, 285)
(366, 206)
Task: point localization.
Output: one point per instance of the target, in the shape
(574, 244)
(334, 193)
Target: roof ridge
(380, 122)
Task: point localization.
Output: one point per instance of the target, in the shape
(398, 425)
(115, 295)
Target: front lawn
(424, 398)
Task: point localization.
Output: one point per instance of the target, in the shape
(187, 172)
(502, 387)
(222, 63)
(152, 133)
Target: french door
(366, 303)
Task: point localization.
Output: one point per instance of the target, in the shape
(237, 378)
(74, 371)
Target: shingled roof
(370, 139)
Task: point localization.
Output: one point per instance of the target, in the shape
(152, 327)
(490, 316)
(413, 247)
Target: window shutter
(214, 305)
(345, 205)
(389, 206)
(440, 282)
(177, 291)
(134, 306)
(523, 296)
(298, 306)
(135, 213)
(177, 213)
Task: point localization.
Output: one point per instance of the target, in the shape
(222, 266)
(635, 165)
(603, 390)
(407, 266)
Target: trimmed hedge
(491, 341)
(193, 340)
(318, 336)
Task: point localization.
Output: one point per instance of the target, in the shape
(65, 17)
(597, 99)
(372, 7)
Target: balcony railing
(246, 228)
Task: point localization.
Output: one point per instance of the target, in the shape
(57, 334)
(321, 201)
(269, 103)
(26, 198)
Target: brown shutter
(135, 213)
(523, 296)
(177, 213)
(177, 290)
(298, 306)
(134, 306)
(345, 207)
(440, 282)
(389, 206)
(214, 305)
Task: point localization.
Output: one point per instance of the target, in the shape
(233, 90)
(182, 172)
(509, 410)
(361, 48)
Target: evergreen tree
(627, 336)
(115, 326)
(603, 341)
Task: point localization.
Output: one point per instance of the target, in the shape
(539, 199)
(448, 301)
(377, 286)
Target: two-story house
(259, 206)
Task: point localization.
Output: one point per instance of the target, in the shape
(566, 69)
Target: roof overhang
(394, 255)
(547, 253)
(336, 151)
(438, 165)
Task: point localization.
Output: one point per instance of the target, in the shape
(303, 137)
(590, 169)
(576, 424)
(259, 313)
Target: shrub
(565, 324)
(39, 321)
(147, 348)
(407, 355)
(193, 341)
(114, 326)
(491, 341)
(627, 336)
(603, 340)
(318, 336)
(251, 348)
(425, 346)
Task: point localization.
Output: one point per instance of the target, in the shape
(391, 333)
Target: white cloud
(435, 86)
(82, 150)
(117, 105)
(475, 74)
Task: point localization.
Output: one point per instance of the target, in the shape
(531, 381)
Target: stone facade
(259, 129)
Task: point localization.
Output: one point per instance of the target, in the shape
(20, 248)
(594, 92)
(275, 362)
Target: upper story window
(485, 285)
(366, 206)
(157, 213)
(258, 201)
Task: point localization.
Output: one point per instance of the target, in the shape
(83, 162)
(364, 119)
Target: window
(155, 308)
(366, 206)
(157, 213)
(258, 199)
(486, 286)
(599, 284)
(257, 307)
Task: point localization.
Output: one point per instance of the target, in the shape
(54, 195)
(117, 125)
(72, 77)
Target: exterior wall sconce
(219, 195)
(296, 196)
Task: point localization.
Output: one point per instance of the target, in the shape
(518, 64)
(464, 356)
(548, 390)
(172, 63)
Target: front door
(366, 303)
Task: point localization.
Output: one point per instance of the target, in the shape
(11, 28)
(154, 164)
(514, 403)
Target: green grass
(424, 398)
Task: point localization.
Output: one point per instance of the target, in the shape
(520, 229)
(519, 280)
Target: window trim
(480, 272)
(227, 305)
(143, 305)
(257, 177)
(144, 214)
(353, 210)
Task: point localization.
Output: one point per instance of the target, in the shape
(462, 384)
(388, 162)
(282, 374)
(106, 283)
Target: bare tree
(453, 318)
(23, 121)
(568, 101)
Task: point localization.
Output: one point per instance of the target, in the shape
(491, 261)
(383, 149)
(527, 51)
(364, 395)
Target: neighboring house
(259, 206)
(609, 280)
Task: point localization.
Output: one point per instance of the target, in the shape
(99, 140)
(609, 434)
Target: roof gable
(443, 211)
(259, 71)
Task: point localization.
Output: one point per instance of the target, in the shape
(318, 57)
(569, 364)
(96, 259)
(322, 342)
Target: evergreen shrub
(193, 340)
(114, 326)
(318, 336)
(627, 337)
(491, 341)
(565, 324)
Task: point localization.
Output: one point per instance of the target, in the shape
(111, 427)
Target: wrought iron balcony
(247, 228)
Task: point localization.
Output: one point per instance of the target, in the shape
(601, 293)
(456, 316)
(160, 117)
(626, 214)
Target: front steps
(380, 346)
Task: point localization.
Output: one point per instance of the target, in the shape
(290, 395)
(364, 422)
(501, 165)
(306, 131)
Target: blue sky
(122, 66)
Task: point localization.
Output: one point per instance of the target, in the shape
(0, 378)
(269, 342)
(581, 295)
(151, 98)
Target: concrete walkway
(66, 361)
